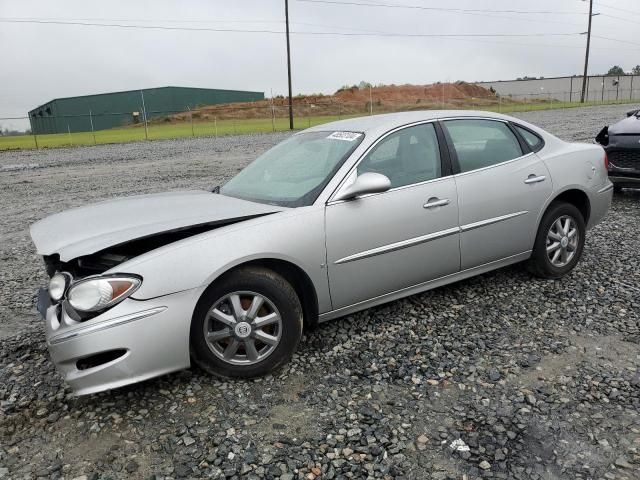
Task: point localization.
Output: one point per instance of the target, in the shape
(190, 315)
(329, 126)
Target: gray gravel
(500, 376)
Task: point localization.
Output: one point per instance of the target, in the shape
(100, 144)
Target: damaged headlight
(58, 285)
(98, 293)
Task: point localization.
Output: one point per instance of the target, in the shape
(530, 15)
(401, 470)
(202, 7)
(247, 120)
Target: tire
(540, 263)
(617, 189)
(233, 297)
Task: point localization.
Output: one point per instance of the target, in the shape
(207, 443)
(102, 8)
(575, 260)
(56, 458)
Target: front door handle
(535, 179)
(435, 202)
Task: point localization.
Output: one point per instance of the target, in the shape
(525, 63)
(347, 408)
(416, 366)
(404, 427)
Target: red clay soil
(386, 98)
(412, 93)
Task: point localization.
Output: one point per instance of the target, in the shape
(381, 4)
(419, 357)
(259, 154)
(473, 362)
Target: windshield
(294, 172)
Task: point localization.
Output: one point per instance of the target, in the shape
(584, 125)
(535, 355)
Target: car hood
(89, 229)
(628, 126)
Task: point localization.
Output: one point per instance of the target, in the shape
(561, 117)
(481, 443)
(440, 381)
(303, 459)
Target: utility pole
(286, 17)
(586, 57)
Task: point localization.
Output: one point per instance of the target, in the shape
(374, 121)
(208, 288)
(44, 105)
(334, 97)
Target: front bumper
(624, 163)
(133, 341)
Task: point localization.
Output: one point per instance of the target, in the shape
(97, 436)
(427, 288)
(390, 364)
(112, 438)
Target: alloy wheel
(563, 239)
(243, 328)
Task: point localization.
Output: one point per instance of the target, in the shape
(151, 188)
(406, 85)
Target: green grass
(157, 131)
(160, 131)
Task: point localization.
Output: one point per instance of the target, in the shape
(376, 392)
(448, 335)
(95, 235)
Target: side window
(482, 143)
(533, 140)
(406, 157)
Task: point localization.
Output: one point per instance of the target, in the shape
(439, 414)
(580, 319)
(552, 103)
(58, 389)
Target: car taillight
(606, 161)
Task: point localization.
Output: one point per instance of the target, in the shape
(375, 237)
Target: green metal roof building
(109, 110)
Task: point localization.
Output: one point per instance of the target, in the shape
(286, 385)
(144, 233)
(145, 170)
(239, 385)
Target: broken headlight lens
(98, 293)
(58, 285)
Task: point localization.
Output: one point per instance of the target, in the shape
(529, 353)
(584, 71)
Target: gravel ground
(500, 376)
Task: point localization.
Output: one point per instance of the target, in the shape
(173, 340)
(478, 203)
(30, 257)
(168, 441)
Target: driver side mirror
(368, 182)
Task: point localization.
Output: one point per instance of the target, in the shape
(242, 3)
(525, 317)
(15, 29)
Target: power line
(190, 21)
(140, 20)
(538, 45)
(279, 32)
(348, 34)
(616, 40)
(187, 21)
(440, 9)
(472, 12)
(636, 22)
(605, 5)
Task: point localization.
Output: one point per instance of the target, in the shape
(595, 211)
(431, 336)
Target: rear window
(533, 140)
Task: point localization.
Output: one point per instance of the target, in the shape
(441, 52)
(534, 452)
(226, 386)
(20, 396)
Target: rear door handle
(533, 179)
(435, 202)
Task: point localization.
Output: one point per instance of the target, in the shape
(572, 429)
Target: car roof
(378, 124)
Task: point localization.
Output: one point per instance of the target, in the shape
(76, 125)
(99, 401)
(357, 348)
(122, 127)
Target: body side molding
(421, 287)
(392, 247)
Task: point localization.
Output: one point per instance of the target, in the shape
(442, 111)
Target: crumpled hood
(89, 229)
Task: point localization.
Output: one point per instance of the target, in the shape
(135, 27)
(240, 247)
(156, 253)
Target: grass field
(157, 131)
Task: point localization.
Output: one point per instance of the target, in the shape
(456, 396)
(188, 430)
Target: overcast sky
(39, 62)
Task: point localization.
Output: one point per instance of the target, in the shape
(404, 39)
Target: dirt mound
(348, 101)
(412, 93)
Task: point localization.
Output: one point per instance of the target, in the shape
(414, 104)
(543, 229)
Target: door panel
(386, 242)
(501, 189)
(499, 208)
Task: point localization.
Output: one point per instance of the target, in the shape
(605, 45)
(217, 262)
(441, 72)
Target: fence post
(92, 131)
(69, 132)
(588, 83)
(215, 124)
(571, 90)
(339, 111)
(273, 115)
(35, 140)
(144, 114)
(191, 118)
(631, 89)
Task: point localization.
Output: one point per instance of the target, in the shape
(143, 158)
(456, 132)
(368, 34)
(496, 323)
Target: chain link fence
(265, 116)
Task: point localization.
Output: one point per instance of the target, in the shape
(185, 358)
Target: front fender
(295, 236)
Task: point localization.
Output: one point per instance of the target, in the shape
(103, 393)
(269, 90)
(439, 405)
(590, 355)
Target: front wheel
(559, 241)
(247, 324)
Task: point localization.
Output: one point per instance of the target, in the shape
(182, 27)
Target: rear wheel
(247, 324)
(559, 242)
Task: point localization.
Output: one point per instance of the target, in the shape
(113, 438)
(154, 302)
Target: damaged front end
(94, 267)
(110, 257)
(97, 332)
(622, 144)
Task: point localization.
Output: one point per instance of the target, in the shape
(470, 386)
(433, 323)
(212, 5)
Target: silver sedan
(335, 219)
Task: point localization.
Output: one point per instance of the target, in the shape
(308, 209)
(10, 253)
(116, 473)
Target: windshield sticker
(346, 136)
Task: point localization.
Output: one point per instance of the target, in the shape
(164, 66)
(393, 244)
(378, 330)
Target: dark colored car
(622, 144)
